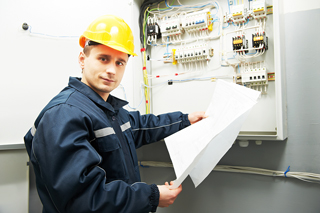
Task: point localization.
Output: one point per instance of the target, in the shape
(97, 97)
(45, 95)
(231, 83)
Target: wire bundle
(304, 176)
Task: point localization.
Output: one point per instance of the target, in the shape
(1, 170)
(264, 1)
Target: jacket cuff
(185, 121)
(154, 197)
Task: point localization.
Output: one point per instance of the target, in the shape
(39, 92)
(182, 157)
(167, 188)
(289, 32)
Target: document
(197, 149)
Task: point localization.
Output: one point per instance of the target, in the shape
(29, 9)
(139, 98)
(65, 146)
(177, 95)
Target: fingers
(196, 116)
(167, 195)
(179, 189)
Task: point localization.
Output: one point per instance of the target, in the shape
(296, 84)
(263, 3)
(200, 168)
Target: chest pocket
(108, 147)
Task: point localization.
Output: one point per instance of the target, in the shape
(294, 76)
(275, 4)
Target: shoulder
(68, 103)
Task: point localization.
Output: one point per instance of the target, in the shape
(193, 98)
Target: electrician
(82, 145)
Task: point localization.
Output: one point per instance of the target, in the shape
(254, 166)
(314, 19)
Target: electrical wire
(212, 78)
(144, 19)
(145, 4)
(50, 36)
(145, 76)
(125, 96)
(304, 176)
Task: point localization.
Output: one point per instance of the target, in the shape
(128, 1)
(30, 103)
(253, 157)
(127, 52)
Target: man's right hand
(167, 195)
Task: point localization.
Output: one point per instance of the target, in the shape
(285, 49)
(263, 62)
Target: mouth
(107, 80)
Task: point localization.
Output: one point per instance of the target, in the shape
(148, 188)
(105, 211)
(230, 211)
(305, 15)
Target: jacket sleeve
(69, 178)
(150, 128)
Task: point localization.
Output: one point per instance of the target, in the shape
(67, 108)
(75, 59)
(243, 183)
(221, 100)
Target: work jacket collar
(113, 103)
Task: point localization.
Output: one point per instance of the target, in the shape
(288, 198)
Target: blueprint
(197, 149)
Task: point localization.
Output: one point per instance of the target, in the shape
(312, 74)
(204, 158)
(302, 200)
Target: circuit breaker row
(240, 15)
(176, 26)
(193, 53)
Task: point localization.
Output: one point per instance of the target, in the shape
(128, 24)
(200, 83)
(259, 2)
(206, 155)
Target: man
(82, 144)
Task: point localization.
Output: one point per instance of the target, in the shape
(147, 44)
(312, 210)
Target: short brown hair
(89, 45)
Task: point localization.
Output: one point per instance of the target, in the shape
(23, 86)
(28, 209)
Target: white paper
(197, 149)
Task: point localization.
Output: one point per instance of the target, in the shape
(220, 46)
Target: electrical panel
(191, 44)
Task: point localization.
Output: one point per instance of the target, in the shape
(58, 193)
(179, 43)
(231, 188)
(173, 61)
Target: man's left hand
(196, 116)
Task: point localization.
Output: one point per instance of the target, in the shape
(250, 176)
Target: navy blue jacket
(83, 152)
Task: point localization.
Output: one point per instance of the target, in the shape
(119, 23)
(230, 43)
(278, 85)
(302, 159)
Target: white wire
(188, 79)
(304, 176)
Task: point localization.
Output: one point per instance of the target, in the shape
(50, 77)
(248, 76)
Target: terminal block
(259, 40)
(154, 30)
(193, 53)
(255, 77)
(239, 42)
(197, 21)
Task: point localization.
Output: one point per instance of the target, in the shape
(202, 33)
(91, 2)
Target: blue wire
(143, 165)
(191, 79)
(217, 8)
(251, 53)
(167, 44)
(247, 21)
(186, 7)
(125, 96)
(285, 173)
(53, 36)
(157, 44)
(232, 57)
(226, 26)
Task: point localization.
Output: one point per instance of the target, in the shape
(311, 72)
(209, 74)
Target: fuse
(238, 14)
(259, 9)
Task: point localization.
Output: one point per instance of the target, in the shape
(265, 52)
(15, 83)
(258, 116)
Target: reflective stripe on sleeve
(125, 126)
(33, 130)
(109, 130)
(104, 132)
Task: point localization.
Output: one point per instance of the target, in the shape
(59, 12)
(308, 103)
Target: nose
(111, 69)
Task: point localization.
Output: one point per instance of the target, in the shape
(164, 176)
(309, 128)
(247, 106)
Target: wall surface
(232, 192)
(14, 181)
(35, 68)
(36, 64)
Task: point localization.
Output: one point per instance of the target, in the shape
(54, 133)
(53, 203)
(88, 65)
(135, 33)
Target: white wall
(34, 68)
(14, 181)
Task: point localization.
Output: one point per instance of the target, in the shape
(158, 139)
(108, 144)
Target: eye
(103, 59)
(120, 63)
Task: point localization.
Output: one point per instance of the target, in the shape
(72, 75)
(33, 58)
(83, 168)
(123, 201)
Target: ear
(81, 58)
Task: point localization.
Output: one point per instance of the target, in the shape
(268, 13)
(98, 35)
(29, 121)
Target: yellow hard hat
(111, 31)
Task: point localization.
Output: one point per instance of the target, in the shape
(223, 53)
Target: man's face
(103, 69)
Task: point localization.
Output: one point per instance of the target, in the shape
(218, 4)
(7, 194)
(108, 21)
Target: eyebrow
(109, 56)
